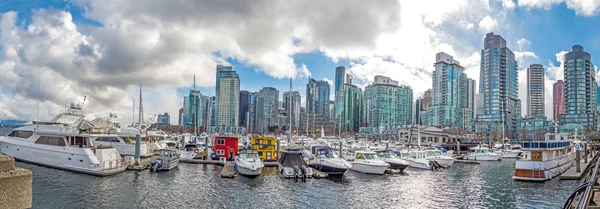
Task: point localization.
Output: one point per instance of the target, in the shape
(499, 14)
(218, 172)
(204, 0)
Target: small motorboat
(167, 160)
(481, 154)
(248, 163)
(324, 159)
(437, 156)
(292, 165)
(191, 151)
(368, 162)
(395, 162)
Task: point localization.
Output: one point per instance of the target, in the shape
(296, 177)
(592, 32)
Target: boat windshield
(370, 156)
(434, 153)
(482, 151)
(248, 155)
(325, 153)
(386, 155)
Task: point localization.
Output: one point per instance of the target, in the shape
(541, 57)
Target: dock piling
(137, 149)
(342, 148)
(585, 153)
(577, 160)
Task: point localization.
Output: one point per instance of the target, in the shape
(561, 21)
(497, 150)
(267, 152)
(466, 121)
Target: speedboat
(325, 160)
(167, 160)
(292, 165)
(248, 163)
(191, 151)
(395, 162)
(418, 159)
(64, 144)
(481, 154)
(367, 162)
(437, 156)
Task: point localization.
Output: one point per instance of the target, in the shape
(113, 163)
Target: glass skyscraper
(450, 98)
(499, 104)
(292, 101)
(268, 109)
(535, 90)
(386, 104)
(244, 105)
(228, 91)
(317, 97)
(195, 109)
(580, 89)
(353, 107)
(340, 80)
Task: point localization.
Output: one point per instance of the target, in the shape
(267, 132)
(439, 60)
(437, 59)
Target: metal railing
(112, 164)
(583, 194)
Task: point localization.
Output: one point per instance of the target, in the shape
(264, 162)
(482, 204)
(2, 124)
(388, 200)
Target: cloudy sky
(105, 49)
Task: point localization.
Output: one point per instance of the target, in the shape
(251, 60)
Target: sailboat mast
(133, 114)
(290, 101)
(307, 108)
(195, 109)
(141, 112)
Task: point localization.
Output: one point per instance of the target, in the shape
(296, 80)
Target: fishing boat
(63, 143)
(367, 162)
(292, 165)
(395, 162)
(324, 159)
(248, 163)
(167, 160)
(481, 154)
(544, 160)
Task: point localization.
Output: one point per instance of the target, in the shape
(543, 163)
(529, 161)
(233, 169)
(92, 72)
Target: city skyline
(93, 44)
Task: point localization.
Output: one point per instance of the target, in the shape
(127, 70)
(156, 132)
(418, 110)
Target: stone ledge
(16, 192)
(6, 163)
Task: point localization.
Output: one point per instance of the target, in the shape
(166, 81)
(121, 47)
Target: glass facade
(499, 106)
(387, 105)
(317, 97)
(450, 93)
(228, 102)
(580, 89)
(535, 91)
(268, 109)
(340, 80)
(353, 107)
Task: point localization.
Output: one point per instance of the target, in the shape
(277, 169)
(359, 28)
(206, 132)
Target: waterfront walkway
(572, 173)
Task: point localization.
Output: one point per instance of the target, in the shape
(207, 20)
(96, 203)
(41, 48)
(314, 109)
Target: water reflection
(486, 185)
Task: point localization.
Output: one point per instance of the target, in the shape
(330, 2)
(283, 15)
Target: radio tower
(141, 112)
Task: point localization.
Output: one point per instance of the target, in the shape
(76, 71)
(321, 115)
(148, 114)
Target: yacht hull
(242, 170)
(482, 157)
(420, 164)
(330, 170)
(56, 159)
(397, 166)
(445, 162)
(369, 168)
(510, 154)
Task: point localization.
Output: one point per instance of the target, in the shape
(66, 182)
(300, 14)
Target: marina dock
(216, 162)
(572, 173)
(228, 171)
(466, 161)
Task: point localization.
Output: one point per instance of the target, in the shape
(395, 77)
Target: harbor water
(487, 185)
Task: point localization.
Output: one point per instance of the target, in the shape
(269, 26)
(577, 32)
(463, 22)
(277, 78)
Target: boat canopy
(290, 159)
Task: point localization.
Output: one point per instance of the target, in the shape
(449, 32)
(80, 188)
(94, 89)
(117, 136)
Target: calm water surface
(488, 185)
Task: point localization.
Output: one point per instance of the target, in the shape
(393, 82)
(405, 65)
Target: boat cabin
(225, 147)
(248, 154)
(323, 152)
(554, 146)
(365, 156)
(416, 154)
(265, 147)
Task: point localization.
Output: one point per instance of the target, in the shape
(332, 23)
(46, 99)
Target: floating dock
(318, 174)
(572, 173)
(144, 164)
(228, 171)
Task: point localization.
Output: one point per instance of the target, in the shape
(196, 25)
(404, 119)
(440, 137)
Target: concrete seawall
(15, 185)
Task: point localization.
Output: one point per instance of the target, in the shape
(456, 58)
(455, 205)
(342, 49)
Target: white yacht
(511, 151)
(191, 151)
(248, 163)
(124, 144)
(437, 156)
(395, 162)
(481, 154)
(325, 160)
(418, 159)
(367, 162)
(63, 144)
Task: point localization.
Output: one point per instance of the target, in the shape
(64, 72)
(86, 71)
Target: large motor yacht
(63, 143)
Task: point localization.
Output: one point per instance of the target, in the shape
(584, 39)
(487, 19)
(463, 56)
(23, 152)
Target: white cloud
(581, 7)
(523, 43)
(508, 4)
(487, 24)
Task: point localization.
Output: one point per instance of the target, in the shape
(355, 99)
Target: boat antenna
(84, 97)
(133, 114)
(141, 111)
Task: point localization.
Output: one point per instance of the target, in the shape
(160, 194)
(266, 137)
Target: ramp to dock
(572, 173)
(228, 171)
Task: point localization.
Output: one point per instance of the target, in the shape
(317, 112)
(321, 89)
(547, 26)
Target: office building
(163, 119)
(317, 97)
(228, 90)
(268, 109)
(386, 104)
(558, 99)
(292, 101)
(352, 114)
(244, 106)
(340, 80)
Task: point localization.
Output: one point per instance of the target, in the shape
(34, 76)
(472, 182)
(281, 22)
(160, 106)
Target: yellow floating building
(265, 147)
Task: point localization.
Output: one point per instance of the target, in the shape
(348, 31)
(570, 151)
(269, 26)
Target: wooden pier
(144, 164)
(228, 171)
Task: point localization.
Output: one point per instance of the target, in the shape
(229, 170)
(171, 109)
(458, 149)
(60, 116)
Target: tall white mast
(141, 112)
(195, 109)
(290, 101)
